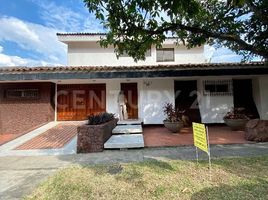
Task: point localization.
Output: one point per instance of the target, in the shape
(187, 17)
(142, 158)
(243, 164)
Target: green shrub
(100, 118)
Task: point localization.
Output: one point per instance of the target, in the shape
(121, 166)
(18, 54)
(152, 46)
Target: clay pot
(174, 127)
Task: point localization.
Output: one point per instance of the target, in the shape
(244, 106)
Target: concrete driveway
(20, 175)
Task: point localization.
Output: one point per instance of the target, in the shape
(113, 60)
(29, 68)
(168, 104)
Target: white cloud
(7, 60)
(33, 37)
(41, 40)
(67, 19)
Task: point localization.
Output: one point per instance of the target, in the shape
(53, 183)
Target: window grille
(217, 88)
(22, 93)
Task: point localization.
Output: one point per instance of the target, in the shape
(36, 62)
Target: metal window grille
(217, 88)
(22, 93)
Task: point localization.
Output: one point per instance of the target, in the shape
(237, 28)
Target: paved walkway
(54, 138)
(19, 175)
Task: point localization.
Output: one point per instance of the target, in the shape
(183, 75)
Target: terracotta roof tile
(205, 66)
(80, 34)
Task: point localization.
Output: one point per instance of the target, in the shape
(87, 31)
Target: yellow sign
(200, 136)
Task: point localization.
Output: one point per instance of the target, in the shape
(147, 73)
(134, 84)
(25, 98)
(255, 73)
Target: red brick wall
(23, 115)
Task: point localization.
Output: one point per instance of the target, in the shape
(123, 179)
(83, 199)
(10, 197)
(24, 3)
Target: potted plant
(236, 119)
(174, 118)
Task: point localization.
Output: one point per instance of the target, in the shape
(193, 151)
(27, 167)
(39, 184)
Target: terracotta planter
(236, 124)
(174, 127)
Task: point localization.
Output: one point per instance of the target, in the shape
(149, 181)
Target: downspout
(56, 102)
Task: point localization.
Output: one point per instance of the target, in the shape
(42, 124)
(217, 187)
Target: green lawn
(236, 178)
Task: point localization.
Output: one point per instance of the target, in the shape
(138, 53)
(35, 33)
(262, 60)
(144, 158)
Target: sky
(28, 32)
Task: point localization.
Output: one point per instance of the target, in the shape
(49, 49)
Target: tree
(134, 25)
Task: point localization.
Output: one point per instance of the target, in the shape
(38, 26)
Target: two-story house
(94, 76)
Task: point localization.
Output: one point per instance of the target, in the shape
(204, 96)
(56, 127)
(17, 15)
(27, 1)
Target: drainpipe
(56, 101)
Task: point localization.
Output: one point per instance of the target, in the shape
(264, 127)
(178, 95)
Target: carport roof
(138, 71)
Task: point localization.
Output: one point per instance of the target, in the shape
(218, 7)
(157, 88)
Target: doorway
(131, 93)
(186, 99)
(243, 97)
(77, 101)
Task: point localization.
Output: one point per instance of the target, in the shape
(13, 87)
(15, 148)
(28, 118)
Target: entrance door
(186, 99)
(76, 102)
(131, 92)
(242, 91)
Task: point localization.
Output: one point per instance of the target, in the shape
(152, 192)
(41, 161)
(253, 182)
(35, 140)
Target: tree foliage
(135, 25)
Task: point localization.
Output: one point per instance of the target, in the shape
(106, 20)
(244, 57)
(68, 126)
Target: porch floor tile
(53, 138)
(159, 136)
(7, 137)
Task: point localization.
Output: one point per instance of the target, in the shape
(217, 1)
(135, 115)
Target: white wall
(213, 108)
(91, 54)
(153, 96)
(260, 94)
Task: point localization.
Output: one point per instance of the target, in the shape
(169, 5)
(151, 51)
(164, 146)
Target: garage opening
(76, 102)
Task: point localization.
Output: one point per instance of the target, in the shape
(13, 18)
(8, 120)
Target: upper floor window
(165, 55)
(22, 93)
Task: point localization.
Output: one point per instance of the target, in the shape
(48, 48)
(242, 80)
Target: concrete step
(130, 122)
(125, 142)
(127, 129)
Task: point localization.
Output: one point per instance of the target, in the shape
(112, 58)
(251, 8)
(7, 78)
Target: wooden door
(76, 102)
(186, 99)
(131, 92)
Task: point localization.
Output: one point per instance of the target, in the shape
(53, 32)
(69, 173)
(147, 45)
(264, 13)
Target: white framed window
(165, 55)
(217, 88)
(22, 93)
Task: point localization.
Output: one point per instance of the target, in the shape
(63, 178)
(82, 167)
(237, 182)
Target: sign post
(201, 140)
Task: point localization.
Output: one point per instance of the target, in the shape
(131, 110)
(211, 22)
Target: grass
(234, 178)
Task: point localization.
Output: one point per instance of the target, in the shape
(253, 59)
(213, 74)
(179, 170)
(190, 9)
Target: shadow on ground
(246, 191)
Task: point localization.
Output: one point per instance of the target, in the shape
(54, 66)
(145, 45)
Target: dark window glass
(222, 88)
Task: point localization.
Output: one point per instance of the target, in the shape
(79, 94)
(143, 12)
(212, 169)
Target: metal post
(209, 160)
(196, 154)
(56, 102)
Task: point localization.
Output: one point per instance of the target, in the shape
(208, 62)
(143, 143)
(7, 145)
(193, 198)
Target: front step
(127, 129)
(125, 142)
(130, 122)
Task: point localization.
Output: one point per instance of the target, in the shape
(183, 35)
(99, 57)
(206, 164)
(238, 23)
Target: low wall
(91, 138)
(20, 115)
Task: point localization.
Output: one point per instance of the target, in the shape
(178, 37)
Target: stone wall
(91, 138)
(257, 130)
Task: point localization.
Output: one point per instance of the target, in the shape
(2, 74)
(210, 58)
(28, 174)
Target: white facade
(153, 93)
(88, 52)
